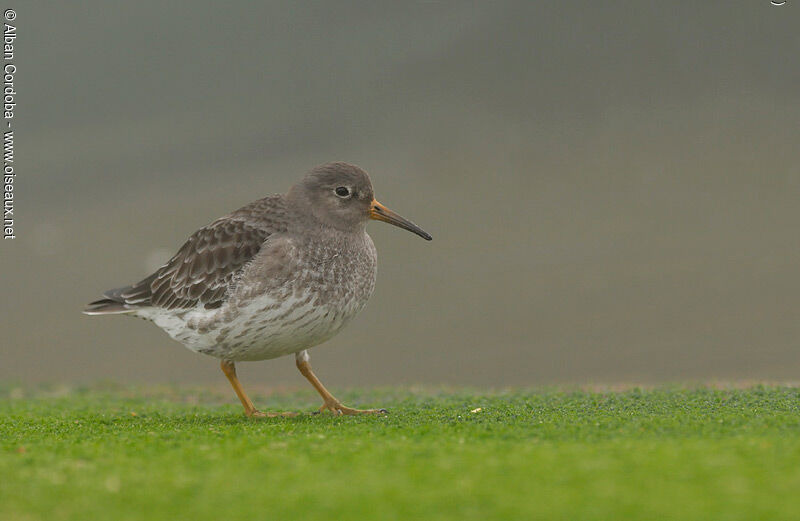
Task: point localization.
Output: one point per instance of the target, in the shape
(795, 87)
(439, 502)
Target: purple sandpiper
(275, 277)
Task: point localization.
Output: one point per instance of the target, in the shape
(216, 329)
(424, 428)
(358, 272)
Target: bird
(274, 278)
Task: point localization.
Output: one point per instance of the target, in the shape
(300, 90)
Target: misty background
(612, 187)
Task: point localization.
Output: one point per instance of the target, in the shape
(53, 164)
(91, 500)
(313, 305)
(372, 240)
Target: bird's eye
(342, 191)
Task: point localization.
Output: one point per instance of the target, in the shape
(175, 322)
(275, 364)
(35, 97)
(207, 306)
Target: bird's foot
(337, 409)
(270, 414)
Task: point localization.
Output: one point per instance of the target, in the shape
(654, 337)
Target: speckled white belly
(262, 329)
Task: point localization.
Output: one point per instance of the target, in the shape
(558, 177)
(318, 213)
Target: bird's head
(340, 195)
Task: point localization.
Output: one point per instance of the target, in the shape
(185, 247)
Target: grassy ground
(167, 454)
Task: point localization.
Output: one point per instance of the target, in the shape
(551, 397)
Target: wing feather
(206, 266)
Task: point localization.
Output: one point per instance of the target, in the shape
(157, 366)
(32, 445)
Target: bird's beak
(381, 213)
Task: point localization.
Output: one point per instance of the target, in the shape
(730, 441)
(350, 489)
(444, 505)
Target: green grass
(153, 454)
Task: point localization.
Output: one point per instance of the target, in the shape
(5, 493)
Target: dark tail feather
(122, 300)
(106, 306)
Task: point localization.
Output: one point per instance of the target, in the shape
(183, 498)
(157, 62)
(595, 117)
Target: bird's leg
(229, 368)
(330, 403)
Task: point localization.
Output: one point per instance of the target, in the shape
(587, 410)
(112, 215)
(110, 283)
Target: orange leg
(229, 368)
(330, 403)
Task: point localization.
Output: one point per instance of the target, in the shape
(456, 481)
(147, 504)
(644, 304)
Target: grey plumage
(275, 277)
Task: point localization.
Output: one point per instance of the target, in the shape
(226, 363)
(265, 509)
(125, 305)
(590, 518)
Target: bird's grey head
(340, 195)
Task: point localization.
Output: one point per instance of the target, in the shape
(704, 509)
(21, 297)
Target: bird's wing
(202, 270)
(206, 266)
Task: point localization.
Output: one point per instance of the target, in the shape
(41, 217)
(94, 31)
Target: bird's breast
(340, 275)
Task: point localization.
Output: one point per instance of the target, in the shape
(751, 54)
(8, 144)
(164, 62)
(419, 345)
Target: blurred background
(612, 187)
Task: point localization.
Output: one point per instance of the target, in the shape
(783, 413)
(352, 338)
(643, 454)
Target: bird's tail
(107, 306)
(122, 300)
